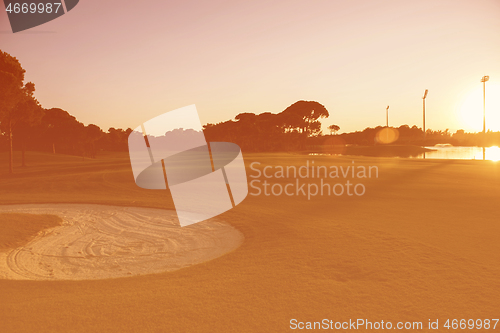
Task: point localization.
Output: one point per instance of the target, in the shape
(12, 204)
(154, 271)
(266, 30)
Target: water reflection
(462, 153)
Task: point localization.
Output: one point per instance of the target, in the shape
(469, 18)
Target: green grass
(421, 244)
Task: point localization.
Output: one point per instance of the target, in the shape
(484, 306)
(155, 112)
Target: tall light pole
(483, 80)
(423, 99)
(387, 116)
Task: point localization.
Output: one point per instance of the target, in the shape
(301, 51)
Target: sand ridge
(100, 242)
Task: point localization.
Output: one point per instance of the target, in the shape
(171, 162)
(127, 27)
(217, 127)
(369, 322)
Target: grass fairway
(420, 244)
(18, 229)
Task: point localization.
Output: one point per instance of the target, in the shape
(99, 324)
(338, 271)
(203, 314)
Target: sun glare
(471, 108)
(494, 154)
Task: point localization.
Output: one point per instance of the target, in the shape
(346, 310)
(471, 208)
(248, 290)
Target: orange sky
(117, 63)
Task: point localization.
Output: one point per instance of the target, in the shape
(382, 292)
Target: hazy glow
(116, 63)
(471, 108)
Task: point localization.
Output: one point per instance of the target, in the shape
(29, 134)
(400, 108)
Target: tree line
(26, 125)
(407, 135)
(284, 131)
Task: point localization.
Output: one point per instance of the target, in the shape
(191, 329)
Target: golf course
(421, 243)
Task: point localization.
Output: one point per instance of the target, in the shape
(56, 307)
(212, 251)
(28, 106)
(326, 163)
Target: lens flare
(387, 135)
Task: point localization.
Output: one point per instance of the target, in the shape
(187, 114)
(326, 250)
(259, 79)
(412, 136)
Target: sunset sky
(116, 63)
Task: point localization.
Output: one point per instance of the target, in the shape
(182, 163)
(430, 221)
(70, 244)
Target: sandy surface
(422, 243)
(101, 242)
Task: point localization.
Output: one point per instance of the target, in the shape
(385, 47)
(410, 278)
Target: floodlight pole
(387, 116)
(483, 80)
(423, 99)
(423, 105)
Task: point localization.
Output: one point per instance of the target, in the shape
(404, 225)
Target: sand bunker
(101, 242)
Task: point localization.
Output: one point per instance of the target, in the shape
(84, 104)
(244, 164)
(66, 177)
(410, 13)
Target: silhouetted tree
(267, 131)
(333, 129)
(303, 116)
(27, 114)
(114, 139)
(61, 131)
(92, 133)
(16, 99)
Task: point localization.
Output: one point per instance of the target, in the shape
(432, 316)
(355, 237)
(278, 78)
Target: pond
(462, 153)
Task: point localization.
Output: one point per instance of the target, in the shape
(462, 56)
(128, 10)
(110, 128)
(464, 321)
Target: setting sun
(471, 108)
